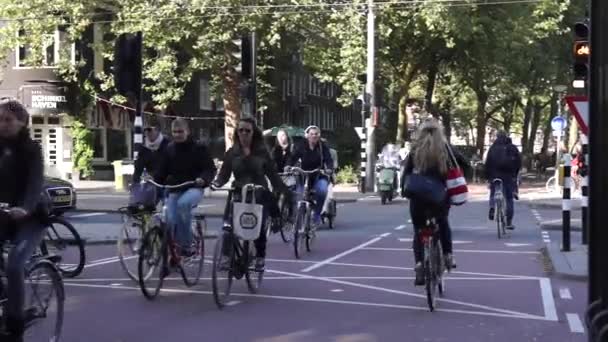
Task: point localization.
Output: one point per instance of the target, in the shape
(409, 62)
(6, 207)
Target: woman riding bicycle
(429, 157)
(250, 163)
(21, 179)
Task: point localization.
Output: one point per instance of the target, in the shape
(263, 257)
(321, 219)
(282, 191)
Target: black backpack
(506, 158)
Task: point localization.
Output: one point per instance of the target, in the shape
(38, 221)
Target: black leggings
(418, 212)
(26, 239)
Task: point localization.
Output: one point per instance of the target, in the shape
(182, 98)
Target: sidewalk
(569, 265)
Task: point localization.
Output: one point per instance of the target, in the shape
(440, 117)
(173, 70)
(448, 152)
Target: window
(204, 96)
(98, 148)
(310, 84)
(116, 144)
(290, 84)
(294, 83)
(50, 46)
(302, 89)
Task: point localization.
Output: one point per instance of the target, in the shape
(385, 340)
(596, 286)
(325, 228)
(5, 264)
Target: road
(356, 285)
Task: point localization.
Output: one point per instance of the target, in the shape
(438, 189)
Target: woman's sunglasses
(245, 130)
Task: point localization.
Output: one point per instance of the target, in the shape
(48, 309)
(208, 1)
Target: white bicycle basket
(247, 217)
(289, 180)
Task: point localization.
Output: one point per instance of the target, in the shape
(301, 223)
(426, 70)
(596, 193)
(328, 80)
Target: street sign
(558, 123)
(579, 106)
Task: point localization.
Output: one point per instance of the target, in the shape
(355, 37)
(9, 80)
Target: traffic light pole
(597, 313)
(370, 150)
(138, 138)
(254, 83)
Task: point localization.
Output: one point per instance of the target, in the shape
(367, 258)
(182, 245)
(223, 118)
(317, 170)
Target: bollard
(566, 205)
(363, 161)
(585, 191)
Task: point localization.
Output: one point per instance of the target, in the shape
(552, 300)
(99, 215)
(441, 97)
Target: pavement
(355, 285)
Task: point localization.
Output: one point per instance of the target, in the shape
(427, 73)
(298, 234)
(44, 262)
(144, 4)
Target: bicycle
(136, 223)
(233, 253)
(433, 264)
(159, 250)
(499, 207)
(303, 231)
(54, 241)
(287, 224)
(39, 271)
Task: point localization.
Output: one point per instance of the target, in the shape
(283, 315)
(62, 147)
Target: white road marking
(233, 302)
(460, 242)
(406, 239)
(401, 227)
(575, 324)
(109, 261)
(564, 293)
(104, 259)
(385, 235)
(86, 215)
(116, 284)
(343, 254)
(456, 251)
(548, 300)
(105, 280)
(337, 290)
(517, 244)
(322, 300)
(206, 205)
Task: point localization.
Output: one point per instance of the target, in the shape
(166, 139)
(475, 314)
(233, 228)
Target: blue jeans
(509, 185)
(179, 213)
(320, 187)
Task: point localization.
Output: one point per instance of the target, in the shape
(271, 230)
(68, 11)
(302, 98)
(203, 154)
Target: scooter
(387, 184)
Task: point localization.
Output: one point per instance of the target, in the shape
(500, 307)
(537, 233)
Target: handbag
(425, 188)
(247, 216)
(456, 183)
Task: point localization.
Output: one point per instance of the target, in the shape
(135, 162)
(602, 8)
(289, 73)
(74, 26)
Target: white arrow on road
(517, 244)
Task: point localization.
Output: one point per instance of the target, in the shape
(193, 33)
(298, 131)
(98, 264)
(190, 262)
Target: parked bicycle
(44, 321)
(160, 252)
(233, 256)
(62, 239)
(304, 233)
(499, 207)
(433, 262)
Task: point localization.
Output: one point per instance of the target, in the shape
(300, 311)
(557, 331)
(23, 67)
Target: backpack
(506, 158)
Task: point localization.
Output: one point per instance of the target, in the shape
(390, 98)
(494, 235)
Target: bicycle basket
(290, 181)
(247, 217)
(143, 195)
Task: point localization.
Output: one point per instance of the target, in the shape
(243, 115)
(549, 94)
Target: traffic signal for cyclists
(242, 54)
(128, 63)
(582, 52)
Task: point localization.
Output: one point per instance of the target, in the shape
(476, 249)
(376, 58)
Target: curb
(552, 256)
(575, 225)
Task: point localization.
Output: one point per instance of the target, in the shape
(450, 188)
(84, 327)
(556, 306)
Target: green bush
(347, 175)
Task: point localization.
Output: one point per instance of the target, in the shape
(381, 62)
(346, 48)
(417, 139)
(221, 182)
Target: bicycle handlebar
(171, 186)
(295, 169)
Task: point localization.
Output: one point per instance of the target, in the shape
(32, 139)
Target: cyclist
(281, 153)
(503, 162)
(151, 152)
(21, 179)
(313, 154)
(429, 157)
(184, 160)
(249, 161)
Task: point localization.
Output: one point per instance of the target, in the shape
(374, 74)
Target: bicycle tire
(69, 272)
(288, 226)
(158, 249)
(252, 277)
(440, 267)
(310, 234)
(428, 279)
(123, 241)
(198, 260)
(299, 232)
(221, 299)
(332, 216)
(51, 275)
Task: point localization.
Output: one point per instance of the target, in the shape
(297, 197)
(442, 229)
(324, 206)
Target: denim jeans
(179, 213)
(508, 187)
(320, 186)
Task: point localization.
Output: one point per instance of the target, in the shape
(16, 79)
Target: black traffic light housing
(128, 64)
(244, 58)
(581, 51)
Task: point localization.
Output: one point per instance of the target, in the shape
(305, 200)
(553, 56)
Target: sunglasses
(178, 131)
(245, 130)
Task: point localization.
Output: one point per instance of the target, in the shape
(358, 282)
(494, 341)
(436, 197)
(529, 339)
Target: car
(61, 193)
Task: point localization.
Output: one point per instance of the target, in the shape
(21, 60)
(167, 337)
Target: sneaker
(419, 276)
(225, 263)
(510, 226)
(259, 264)
(450, 261)
(491, 214)
(516, 196)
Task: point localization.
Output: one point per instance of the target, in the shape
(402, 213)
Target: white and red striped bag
(458, 192)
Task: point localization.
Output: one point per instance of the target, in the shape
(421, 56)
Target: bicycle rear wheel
(429, 276)
(192, 268)
(311, 234)
(221, 274)
(63, 240)
(299, 234)
(440, 266)
(254, 279)
(153, 256)
(288, 225)
(129, 243)
(499, 220)
(44, 302)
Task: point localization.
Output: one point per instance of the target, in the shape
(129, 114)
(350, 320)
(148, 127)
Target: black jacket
(319, 157)
(250, 169)
(282, 157)
(184, 162)
(21, 172)
(503, 160)
(150, 160)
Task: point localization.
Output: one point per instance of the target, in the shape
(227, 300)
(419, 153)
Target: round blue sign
(558, 123)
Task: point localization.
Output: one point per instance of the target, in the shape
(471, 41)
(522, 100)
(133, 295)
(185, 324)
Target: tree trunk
(525, 134)
(402, 120)
(547, 130)
(446, 118)
(232, 105)
(481, 122)
(430, 87)
(535, 122)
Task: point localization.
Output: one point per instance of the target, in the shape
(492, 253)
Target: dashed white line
(401, 227)
(575, 323)
(548, 301)
(86, 215)
(564, 293)
(456, 251)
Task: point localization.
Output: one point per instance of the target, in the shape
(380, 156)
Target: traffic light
(128, 64)
(242, 54)
(582, 52)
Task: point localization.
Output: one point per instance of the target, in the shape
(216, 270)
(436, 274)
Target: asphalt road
(356, 285)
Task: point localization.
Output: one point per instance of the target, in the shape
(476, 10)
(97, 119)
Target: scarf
(154, 145)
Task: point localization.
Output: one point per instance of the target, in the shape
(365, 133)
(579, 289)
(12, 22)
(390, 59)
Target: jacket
(282, 157)
(21, 172)
(184, 162)
(319, 157)
(494, 164)
(149, 160)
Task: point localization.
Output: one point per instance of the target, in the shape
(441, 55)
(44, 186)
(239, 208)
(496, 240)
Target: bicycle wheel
(299, 234)
(253, 278)
(429, 277)
(63, 240)
(440, 266)
(221, 274)
(332, 216)
(498, 218)
(288, 225)
(153, 256)
(129, 243)
(550, 185)
(192, 268)
(44, 302)
(311, 234)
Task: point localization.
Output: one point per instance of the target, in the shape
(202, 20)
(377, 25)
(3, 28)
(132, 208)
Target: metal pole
(254, 83)
(138, 138)
(566, 206)
(585, 190)
(371, 139)
(558, 148)
(598, 140)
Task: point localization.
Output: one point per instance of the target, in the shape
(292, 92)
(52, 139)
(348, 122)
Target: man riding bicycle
(503, 162)
(312, 155)
(21, 179)
(184, 160)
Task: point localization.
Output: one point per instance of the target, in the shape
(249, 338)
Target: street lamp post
(560, 90)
